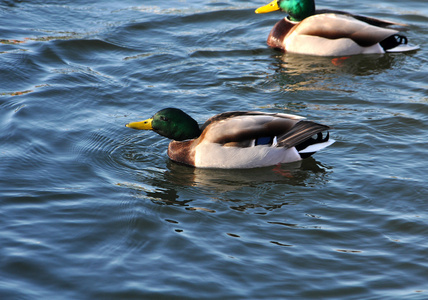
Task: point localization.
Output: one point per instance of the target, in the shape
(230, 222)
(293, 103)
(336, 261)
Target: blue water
(93, 210)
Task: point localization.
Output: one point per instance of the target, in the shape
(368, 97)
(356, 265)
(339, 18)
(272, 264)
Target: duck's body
(331, 33)
(240, 139)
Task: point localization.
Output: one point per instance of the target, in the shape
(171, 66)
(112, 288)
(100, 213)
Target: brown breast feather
(279, 32)
(182, 151)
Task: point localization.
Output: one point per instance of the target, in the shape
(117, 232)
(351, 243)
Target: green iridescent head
(172, 123)
(297, 9)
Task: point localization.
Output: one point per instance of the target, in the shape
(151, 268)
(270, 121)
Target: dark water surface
(93, 210)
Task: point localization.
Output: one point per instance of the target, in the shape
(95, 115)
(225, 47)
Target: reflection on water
(228, 180)
(300, 72)
(180, 185)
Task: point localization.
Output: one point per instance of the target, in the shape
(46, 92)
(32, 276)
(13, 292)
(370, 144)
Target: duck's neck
(298, 9)
(185, 131)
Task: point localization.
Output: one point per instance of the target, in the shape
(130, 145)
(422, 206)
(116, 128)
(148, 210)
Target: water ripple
(91, 209)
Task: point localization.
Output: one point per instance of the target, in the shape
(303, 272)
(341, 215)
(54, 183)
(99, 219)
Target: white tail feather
(316, 147)
(403, 48)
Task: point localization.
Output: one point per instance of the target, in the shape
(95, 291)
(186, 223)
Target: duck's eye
(164, 118)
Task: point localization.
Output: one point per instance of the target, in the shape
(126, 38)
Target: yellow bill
(142, 125)
(268, 8)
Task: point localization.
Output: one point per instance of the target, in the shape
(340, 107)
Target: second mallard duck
(331, 33)
(238, 139)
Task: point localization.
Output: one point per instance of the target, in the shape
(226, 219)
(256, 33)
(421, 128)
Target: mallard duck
(331, 33)
(237, 139)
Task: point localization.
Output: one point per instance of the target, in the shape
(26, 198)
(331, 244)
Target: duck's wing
(245, 129)
(368, 20)
(231, 114)
(301, 132)
(337, 26)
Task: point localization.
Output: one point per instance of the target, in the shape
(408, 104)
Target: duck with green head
(238, 139)
(331, 32)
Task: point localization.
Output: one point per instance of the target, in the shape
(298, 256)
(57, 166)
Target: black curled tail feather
(319, 139)
(393, 41)
(311, 141)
